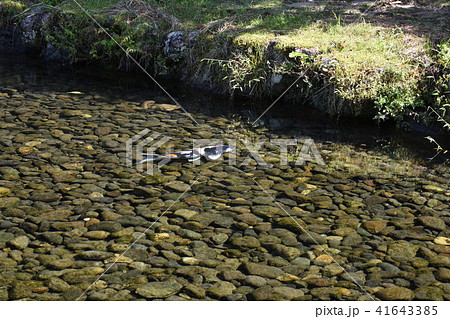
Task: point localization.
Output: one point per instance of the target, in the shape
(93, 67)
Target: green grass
(372, 64)
(9, 9)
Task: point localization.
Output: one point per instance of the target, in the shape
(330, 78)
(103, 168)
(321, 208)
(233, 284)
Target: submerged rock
(395, 293)
(157, 290)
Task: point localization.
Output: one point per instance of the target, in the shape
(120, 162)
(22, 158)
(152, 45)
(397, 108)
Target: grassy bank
(369, 58)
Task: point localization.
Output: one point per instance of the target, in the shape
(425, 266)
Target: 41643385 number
(407, 310)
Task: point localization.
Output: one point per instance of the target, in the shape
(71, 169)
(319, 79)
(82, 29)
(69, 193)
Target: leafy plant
(245, 72)
(441, 108)
(9, 10)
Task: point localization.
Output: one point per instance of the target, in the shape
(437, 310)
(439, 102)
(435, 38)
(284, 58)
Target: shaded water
(23, 73)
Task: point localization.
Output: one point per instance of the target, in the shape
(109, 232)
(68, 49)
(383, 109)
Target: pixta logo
(142, 151)
(148, 141)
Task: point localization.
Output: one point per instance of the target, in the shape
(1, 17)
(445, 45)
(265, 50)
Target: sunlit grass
(369, 61)
(364, 54)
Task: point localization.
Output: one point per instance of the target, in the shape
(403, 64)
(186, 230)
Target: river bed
(81, 220)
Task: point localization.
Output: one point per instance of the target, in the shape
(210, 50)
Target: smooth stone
(154, 290)
(57, 284)
(262, 270)
(204, 253)
(194, 291)
(248, 218)
(433, 203)
(332, 270)
(402, 251)
(163, 107)
(277, 261)
(6, 263)
(374, 200)
(419, 200)
(186, 233)
(442, 241)
(9, 173)
(67, 226)
(45, 196)
(265, 211)
(443, 274)
(359, 277)
(246, 242)
(395, 293)
(103, 130)
(190, 261)
(321, 201)
(73, 293)
(109, 216)
(123, 232)
(262, 200)
(108, 226)
(5, 224)
(126, 221)
(60, 214)
(389, 268)
(424, 277)
(352, 240)
(293, 224)
(5, 237)
(288, 253)
(154, 179)
(287, 278)
(156, 261)
(147, 192)
(94, 255)
(185, 213)
(255, 281)
(20, 242)
(288, 293)
(312, 238)
(53, 237)
(324, 258)
(177, 186)
(433, 188)
(429, 293)
(23, 289)
(4, 191)
(348, 221)
(265, 239)
(375, 226)
(265, 293)
(64, 263)
(440, 261)
(220, 238)
(302, 262)
(419, 262)
(240, 209)
(221, 289)
(96, 234)
(230, 275)
(9, 202)
(433, 222)
(343, 232)
(64, 176)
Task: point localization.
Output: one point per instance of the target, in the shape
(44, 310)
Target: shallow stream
(80, 220)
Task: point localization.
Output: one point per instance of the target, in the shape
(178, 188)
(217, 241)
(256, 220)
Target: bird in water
(211, 153)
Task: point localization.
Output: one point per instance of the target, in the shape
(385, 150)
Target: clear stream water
(25, 73)
(70, 205)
